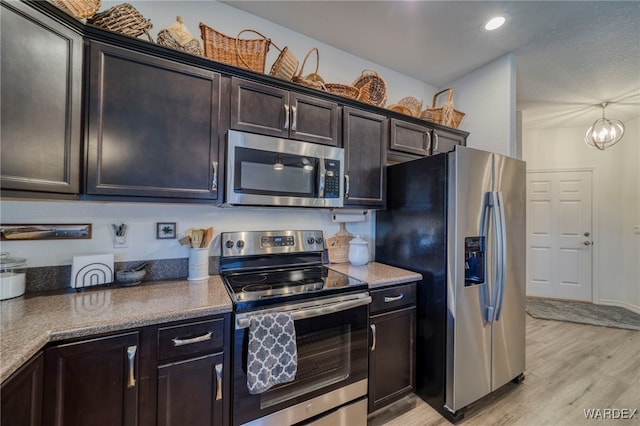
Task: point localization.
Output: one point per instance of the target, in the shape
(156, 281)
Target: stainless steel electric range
(282, 271)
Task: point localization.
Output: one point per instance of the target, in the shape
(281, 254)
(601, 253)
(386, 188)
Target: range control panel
(251, 243)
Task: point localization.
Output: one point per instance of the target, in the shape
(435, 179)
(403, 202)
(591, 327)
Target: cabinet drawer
(393, 298)
(189, 339)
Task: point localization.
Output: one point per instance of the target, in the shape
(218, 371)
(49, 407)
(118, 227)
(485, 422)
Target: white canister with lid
(358, 251)
(13, 271)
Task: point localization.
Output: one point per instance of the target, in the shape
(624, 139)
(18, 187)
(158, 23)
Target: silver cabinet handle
(373, 335)
(435, 142)
(286, 116)
(131, 357)
(388, 299)
(218, 382)
(181, 342)
(346, 186)
(428, 148)
(294, 121)
(214, 182)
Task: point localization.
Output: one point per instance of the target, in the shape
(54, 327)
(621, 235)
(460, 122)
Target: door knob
(587, 243)
(586, 234)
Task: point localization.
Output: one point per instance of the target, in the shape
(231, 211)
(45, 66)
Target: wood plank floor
(569, 368)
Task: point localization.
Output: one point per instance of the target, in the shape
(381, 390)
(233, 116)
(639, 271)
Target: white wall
(616, 202)
(142, 219)
(488, 98)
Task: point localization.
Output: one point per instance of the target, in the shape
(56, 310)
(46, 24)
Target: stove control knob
(229, 244)
(310, 240)
(240, 244)
(319, 240)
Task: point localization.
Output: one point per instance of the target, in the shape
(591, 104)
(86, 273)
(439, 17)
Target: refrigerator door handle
(497, 256)
(485, 219)
(503, 253)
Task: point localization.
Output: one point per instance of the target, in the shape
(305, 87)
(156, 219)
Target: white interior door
(559, 230)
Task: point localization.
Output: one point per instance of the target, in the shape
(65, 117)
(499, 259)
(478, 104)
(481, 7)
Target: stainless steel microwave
(268, 171)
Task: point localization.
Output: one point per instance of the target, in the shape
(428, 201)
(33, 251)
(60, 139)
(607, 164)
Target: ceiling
(570, 55)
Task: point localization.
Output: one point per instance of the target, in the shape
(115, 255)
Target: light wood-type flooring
(569, 368)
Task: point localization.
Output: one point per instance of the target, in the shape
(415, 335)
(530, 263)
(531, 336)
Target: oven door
(263, 170)
(332, 345)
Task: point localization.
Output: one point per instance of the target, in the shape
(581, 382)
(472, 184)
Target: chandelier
(604, 133)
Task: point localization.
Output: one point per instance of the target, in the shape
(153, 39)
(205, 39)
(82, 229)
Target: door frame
(595, 248)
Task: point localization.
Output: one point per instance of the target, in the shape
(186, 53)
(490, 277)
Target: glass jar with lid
(13, 271)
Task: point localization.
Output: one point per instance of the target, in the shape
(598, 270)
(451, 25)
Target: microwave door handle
(322, 173)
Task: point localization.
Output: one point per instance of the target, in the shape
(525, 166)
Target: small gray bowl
(130, 278)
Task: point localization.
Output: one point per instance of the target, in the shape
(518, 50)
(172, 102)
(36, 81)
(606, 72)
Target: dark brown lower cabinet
(21, 395)
(190, 392)
(93, 382)
(392, 352)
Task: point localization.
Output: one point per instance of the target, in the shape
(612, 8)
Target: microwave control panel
(332, 179)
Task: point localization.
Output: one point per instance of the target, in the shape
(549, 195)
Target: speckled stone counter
(377, 274)
(28, 323)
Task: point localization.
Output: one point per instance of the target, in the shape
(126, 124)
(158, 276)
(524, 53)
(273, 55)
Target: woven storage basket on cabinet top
(250, 54)
(376, 94)
(179, 37)
(79, 8)
(343, 90)
(285, 66)
(446, 114)
(413, 104)
(313, 80)
(124, 19)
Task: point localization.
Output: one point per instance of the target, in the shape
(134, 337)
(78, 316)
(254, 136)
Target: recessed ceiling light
(495, 23)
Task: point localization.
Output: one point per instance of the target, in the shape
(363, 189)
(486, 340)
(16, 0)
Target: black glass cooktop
(254, 289)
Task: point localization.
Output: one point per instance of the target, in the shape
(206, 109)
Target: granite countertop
(28, 323)
(377, 274)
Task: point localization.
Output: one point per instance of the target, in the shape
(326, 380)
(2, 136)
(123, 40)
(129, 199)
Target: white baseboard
(625, 305)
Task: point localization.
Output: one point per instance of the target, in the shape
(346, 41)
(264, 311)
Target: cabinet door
(153, 126)
(21, 395)
(190, 392)
(93, 382)
(392, 359)
(40, 89)
(365, 140)
(445, 142)
(410, 138)
(259, 108)
(313, 120)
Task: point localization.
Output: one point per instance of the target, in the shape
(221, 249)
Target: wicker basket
(178, 37)
(243, 53)
(446, 114)
(414, 105)
(400, 108)
(79, 8)
(285, 66)
(124, 19)
(377, 91)
(343, 90)
(313, 80)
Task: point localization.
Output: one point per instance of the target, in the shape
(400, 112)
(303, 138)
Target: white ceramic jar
(13, 273)
(358, 251)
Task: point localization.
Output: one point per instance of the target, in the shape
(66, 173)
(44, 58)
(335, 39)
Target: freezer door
(508, 337)
(468, 371)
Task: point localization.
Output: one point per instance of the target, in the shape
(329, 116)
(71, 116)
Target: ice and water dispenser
(474, 262)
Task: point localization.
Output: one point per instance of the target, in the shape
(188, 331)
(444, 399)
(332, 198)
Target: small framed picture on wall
(165, 230)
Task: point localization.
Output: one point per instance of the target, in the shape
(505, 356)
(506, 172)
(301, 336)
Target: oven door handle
(310, 312)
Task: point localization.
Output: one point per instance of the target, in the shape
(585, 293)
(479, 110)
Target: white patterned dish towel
(272, 356)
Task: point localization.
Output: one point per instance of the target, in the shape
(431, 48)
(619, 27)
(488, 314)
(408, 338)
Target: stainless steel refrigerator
(459, 219)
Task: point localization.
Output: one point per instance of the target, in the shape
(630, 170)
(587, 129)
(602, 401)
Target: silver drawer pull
(131, 357)
(218, 382)
(181, 342)
(388, 299)
(373, 337)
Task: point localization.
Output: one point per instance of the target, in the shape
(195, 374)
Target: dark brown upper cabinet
(273, 111)
(444, 141)
(410, 138)
(365, 139)
(152, 127)
(41, 93)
